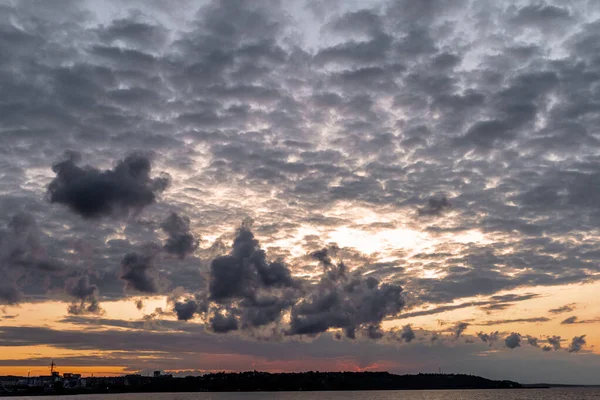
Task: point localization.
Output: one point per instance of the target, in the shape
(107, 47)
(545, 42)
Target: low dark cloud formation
(489, 338)
(245, 271)
(93, 193)
(533, 341)
(346, 300)
(249, 286)
(223, 322)
(407, 334)
(513, 340)
(577, 344)
(554, 341)
(85, 294)
(248, 291)
(185, 310)
(459, 328)
(139, 272)
(188, 307)
(181, 241)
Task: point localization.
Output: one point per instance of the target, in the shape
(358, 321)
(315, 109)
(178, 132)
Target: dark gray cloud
(138, 271)
(185, 310)
(9, 294)
(181, 241)
(577, 344)
(407, 334)
(242, 273)
(564, 309)
(23, 258)
(346, 300)
(459, 328)
(85, 294)
(223, 323)
(489, 338)
(575, 320)
(94, 193)
(554, 341)
(513, 340)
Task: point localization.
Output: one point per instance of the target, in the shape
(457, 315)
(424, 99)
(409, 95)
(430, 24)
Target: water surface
(516, 394)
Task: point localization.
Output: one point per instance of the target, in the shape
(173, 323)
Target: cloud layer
(400, 160)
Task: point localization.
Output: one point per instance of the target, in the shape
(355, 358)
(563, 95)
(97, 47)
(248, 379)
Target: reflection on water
(518, 394)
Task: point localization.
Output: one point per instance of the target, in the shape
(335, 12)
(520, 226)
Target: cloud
(346, 300)
(459, 328)
(564, 309)
(435, 206)
(9, 294)
(223, 323)
(575, 320)
(513, 340)
(495, 303)
(514, 321)
(138, 271)
(181, 241)
(554, 341)
(489, 338)
(541, 15)
(93, 193)
(570, 320)
(85, 293)
(185, 310)
(247, 291)
(407, 334)
(245, 270)
(23, 257)
(577, 344)
(532, 341)
(389, 110)
(188, 307)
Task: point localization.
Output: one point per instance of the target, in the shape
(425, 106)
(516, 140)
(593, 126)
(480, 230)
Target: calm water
(528, 394)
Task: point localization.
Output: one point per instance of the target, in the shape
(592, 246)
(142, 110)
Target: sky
(396, 185)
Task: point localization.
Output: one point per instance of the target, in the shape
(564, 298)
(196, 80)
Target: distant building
(72, 381)
(157, 374)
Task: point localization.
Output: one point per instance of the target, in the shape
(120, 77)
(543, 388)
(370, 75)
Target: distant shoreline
(257, 382)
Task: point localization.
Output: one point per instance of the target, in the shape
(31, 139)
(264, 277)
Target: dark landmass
(256, 381)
